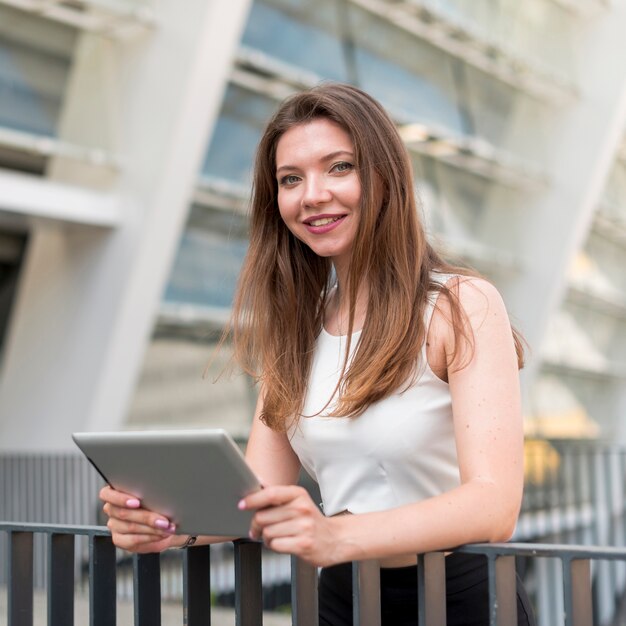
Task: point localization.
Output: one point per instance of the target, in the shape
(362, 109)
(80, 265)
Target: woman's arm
(270, 454)
(136, 529)
(489, 439)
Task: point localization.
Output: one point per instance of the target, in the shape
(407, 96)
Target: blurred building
(127, 132)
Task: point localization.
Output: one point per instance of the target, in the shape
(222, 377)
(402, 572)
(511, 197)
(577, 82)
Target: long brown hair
(284, 287)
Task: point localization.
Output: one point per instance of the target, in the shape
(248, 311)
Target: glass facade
(474, 196)
(416, 81)
(206, 268)
(476, 88)
(35, 62)
(35, 59)
(587, 338)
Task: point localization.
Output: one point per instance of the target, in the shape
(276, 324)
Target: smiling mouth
(323, 221)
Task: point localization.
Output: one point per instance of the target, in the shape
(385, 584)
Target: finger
(131, 528)
(119, 498)
(268, 517)
(289, 523)
(143, 544)
(288, 528)
(291, 544)
(271, 496)
(139, 516)
(274, 515)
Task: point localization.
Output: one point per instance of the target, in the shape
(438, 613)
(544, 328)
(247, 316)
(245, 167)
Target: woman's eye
(343, 166)
(290, 179)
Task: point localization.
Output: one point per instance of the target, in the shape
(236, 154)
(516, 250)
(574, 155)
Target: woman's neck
(337, 315)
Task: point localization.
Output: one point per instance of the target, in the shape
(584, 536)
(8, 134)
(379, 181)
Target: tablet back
(195, 478)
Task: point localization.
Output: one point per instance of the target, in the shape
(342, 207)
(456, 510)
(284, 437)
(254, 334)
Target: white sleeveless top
(400, 450)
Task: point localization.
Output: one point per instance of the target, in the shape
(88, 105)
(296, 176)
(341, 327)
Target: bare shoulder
(479, 298)
(481, 320)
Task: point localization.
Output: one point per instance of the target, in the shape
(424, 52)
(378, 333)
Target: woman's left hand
(287, 520)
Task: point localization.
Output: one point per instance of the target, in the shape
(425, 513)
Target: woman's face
(319, 190)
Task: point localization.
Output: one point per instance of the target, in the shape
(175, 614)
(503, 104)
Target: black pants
(467, 591)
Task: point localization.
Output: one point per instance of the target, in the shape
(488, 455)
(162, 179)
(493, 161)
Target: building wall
(515, 137)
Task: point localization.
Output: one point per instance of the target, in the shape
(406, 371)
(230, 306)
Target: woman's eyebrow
(328, 157)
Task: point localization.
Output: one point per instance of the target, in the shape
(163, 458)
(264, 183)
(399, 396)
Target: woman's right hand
(136, 529)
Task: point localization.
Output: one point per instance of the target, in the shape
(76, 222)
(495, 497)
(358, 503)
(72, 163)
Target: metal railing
(102, 566)
(575, 494)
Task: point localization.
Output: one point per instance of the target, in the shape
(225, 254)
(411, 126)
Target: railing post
(102, 590)
(622, 477)
(147, 589)
(197, 586)
(502, 591)
(248, 584)
(366, 593)
(577, 592)
(431, 589)
(61, 579)
(304, 607)
(20, 584)
(611, 513)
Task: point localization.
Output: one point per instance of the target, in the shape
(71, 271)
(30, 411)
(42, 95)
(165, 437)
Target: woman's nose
(316, 191)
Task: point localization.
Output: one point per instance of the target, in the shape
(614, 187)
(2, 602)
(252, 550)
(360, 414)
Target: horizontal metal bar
(515, 548)
(545, 550)
(58, 529)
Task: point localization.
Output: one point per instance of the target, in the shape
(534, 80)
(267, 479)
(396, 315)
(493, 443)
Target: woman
(390, 376)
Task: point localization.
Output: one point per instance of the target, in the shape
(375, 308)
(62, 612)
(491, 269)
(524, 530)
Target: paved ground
(171, 614)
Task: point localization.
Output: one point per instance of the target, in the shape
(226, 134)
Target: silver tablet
(195, 478)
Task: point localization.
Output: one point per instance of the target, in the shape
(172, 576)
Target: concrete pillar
(88, 296)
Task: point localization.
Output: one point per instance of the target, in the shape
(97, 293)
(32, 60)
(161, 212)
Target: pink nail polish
(162, 523)
(133, 503)
(241, 505)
